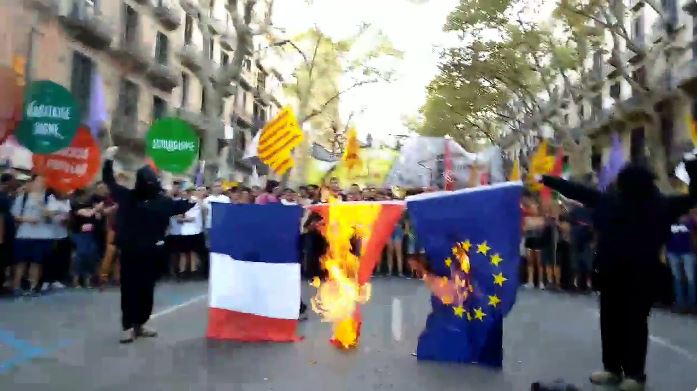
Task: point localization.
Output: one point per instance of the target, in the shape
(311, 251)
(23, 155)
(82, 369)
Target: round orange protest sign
(72, 167)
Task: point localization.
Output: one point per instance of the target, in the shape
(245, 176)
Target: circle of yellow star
(466, 245)
(499, 279)
(447, 300)
(468, 316)
(448, 262)
(494, 300)
(495, 259)
(479, 314)
(459, 311)
(483, 248)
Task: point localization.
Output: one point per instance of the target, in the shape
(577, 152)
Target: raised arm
(179, 207)
(118, 192)
(586, 195)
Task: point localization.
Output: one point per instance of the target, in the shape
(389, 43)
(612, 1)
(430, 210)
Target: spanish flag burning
(356, 233)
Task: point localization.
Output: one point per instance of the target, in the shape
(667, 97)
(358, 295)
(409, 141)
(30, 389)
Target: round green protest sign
(50, 118)
(172, 144)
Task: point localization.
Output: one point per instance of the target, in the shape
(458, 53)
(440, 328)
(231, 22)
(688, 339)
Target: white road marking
(174, 308)
(396, 319)
(661, 342)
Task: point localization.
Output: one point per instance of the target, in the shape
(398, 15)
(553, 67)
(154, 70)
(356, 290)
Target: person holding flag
(632, 225)
(141, 221)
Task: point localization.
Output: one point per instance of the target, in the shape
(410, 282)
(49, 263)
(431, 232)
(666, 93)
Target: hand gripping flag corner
(254, 283)
(471, 238)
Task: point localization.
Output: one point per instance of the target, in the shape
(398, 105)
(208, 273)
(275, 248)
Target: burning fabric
(356, 233)
(471, 238)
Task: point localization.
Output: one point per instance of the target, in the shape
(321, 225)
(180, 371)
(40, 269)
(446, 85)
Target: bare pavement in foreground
(68, 341)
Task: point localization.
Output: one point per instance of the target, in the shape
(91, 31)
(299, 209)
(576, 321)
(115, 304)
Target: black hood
(147, 183)
(636, 182)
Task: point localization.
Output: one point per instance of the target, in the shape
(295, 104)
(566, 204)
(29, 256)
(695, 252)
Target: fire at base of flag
(356, 234)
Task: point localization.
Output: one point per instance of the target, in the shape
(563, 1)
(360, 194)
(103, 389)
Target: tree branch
(336, 96)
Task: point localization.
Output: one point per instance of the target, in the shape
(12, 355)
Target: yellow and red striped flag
(278, 138)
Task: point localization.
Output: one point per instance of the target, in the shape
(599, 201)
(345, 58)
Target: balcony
(162, 76)
(169, 16)
(635, 5)
(190, 56)
(86, 24)
(216, 26)
(685, 75)
(44, 6)
(202, 125)
(132, 53)
(228, 41)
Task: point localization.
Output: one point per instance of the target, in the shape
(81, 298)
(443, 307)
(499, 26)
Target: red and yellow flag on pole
(351, 157)
(278, 138)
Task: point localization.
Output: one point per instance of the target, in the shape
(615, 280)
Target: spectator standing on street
(85, 216)
(57, 268)
(7, 225)
(270, 195)
(582, 250)
(681, 254)
(142, 219)
(216, 196)
(534, 224)
(191, 239)
(34, 235)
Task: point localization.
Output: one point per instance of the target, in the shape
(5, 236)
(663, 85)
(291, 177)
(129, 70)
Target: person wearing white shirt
(56, 270)
(191, 236)
(34, 234)
(216, 196)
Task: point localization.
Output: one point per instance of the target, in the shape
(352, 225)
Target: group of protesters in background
(559, 245)
(51, 240)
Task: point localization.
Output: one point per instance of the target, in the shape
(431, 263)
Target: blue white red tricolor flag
(255, 281)
(471, 238)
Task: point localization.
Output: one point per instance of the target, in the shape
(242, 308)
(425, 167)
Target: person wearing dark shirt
(84, 221)
(582, 252)
(141, 221)
(681, 254)
(7, 225)
(632, 223)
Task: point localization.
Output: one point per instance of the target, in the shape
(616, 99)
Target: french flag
(255, 278)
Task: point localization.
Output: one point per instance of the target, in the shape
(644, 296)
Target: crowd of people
(51, 240)
(559, 250)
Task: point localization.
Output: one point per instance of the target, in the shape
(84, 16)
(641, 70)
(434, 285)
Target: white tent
(418, 163)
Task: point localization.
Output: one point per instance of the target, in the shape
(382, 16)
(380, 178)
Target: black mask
(147, 183)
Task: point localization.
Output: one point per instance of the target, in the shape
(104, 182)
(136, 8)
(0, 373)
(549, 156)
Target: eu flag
(471, 238)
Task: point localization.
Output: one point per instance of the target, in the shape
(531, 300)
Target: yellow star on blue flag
(450, 226)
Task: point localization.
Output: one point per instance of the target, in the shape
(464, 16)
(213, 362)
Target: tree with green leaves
(322, 64)
(596, 19)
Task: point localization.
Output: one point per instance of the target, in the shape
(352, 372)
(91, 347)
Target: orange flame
(337, 298)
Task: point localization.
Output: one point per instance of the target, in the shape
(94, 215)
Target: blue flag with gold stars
(471, 238)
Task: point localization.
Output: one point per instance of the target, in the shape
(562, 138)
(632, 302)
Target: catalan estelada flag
(471, 238)
(277, 140)
(255, 281)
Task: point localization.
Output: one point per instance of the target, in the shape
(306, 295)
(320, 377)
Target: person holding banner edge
(141, 222)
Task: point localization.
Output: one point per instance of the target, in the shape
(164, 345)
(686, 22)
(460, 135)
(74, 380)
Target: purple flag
(199, 178)
(615, 163)
(97, 114)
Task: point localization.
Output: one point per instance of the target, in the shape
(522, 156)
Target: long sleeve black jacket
(141, 222)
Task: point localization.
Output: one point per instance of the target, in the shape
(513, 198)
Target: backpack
(24, 201)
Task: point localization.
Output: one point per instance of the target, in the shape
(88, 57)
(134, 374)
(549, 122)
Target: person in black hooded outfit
(141, 222)
(632, 224)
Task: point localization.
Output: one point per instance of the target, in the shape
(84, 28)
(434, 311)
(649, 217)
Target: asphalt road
(68, 341)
